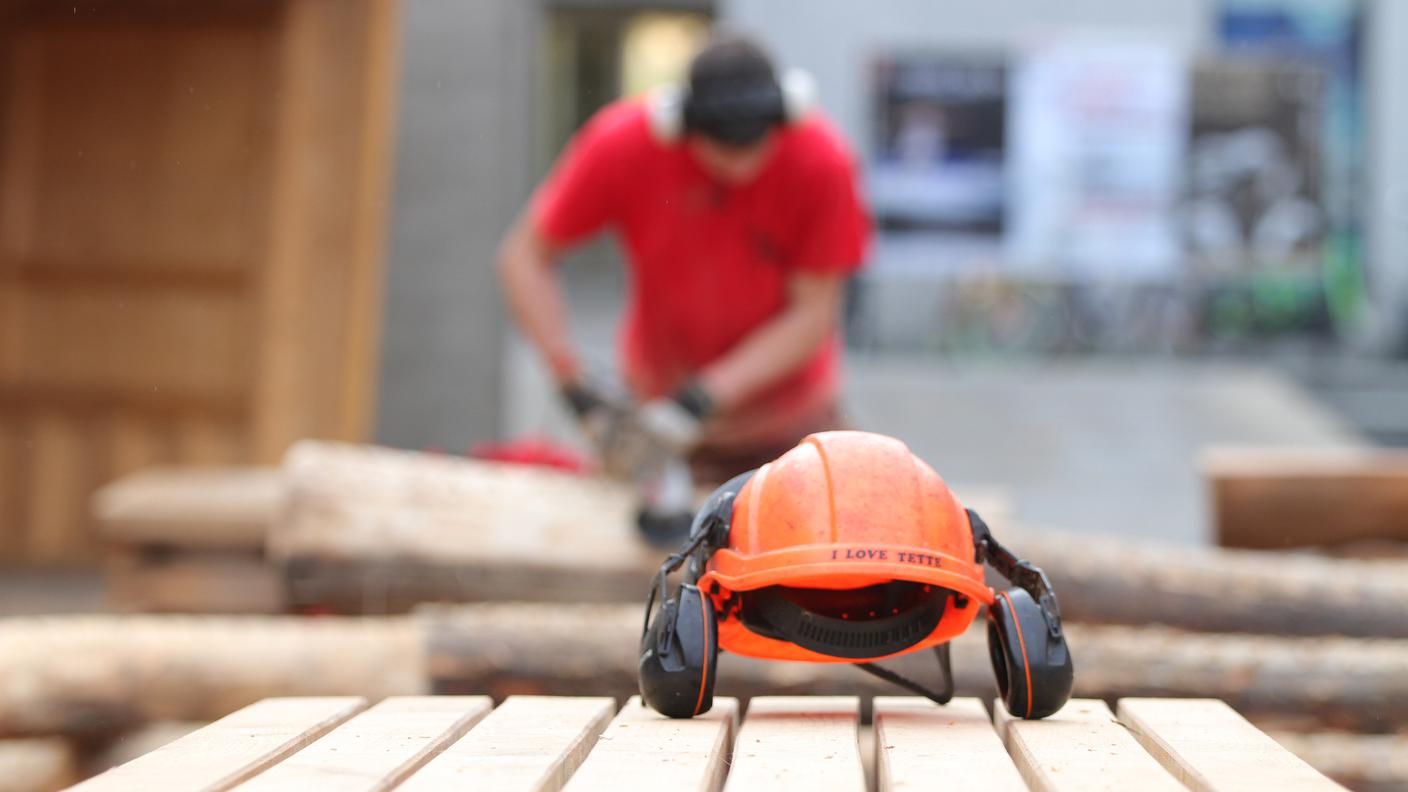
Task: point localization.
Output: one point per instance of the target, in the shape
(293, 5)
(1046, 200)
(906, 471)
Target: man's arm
(780, 346)
(528, 275)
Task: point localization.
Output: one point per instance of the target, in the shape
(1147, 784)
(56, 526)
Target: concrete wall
(1387, 68)
(463, 169)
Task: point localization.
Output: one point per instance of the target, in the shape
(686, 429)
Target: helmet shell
(844, 510)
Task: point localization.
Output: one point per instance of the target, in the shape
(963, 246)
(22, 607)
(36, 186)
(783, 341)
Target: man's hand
(634, 441)
(610, 426)
(674, 425)
(668, 427)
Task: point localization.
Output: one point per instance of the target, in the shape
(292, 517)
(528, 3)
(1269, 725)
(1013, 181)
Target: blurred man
(739, 213)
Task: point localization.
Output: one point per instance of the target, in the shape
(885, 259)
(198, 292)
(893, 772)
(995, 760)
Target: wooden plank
(1271, 498)
(1082, 747)
(230, 750)
(1205, 744)
(643, 749)
(528, 743)
(918, 741)
(139, 741)
(1359, 761)
(37, 764)
(377, 749)
(191, 507)
(808, 743)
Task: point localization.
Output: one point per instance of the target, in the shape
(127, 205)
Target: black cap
(734, 94)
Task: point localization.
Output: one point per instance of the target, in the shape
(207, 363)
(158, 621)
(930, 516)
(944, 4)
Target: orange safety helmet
(846, 549)
(847, 512)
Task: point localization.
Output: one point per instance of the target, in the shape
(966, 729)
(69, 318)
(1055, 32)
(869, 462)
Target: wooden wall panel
(133, 441)
(320, 300)
(149, 144)
(140, 340)
(11, 487)
(191, 214)
(210, 441)
(56, 519)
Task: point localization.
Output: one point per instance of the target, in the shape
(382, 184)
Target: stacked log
(190, 540)
(198, 668)
(94, 676)
(1298, 642)
(37, 764)
(1366, 763)
(375, 530)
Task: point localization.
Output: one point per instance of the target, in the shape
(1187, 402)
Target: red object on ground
(535, 451)
(710, 262)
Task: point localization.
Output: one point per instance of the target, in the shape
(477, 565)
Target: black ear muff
(1029, 655)
(678, 655)
(792, 99)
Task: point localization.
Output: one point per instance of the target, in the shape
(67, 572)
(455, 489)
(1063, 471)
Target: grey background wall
(1387, 76)
(463, 168)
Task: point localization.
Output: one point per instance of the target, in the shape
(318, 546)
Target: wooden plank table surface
(540, 743)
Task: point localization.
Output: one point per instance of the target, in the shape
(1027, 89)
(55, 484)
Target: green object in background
(1343, 278)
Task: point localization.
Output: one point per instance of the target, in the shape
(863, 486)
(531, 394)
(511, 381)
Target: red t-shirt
(709, 262)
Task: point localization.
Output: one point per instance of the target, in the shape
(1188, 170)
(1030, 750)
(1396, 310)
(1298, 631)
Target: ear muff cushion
(798, 94)
(679, 654)
(665, 113)
(1033, 667)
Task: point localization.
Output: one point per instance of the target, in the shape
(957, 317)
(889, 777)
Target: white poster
(1097, 156)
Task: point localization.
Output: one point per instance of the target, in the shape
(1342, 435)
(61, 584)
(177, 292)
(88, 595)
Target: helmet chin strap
(1023, 574)
(941, 696)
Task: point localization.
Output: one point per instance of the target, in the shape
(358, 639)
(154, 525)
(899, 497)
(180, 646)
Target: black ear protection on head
(674, 111)
(679, 645)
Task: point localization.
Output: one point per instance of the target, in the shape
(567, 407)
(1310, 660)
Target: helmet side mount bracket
(1022, 574)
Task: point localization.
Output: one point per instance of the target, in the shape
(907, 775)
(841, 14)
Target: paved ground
(28, 592)
(1104, 447)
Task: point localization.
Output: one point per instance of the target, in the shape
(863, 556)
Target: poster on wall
(1316, 45)
(1098, 140)
(1255, 198)
(940, 131)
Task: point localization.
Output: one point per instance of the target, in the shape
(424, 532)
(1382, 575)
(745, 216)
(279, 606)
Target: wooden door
(171, 199)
